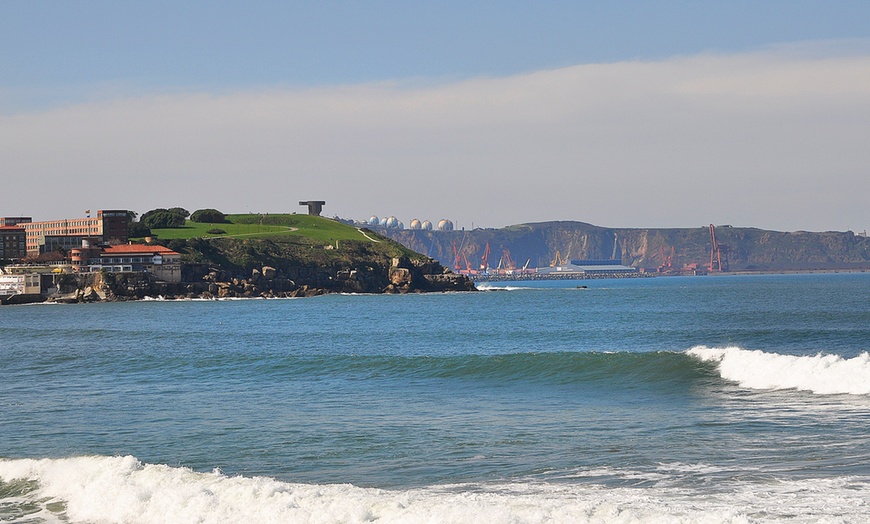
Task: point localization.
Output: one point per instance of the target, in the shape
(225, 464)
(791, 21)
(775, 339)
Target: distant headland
(708, 249)
(171, 253)
(174, 254)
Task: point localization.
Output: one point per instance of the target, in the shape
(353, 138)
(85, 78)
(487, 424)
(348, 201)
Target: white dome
(374, 220)
(392, 222)
(445, 225)
(416, 224)
(426, 225)
(383, 222)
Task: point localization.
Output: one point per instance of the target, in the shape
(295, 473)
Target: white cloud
(773, 139)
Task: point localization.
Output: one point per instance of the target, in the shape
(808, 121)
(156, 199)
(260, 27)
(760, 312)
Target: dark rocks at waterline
(405, 276)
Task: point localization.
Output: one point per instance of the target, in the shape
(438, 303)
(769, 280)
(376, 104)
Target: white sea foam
(123, 490)
(496, 287)
(821, 374)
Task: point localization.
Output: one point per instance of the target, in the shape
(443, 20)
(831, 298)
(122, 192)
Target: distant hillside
(746, 249)
(308, 255)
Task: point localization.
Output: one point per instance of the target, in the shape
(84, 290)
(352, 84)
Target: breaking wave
(820, 374)
(608, 368)
(124, 490)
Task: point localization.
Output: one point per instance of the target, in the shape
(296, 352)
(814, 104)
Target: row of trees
(161, 218)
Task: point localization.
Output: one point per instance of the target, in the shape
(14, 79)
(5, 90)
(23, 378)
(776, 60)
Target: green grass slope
(274, 226)
(302, 246)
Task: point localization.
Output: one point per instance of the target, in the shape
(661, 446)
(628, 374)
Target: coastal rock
(449, 282)
(226, 268)
(90, 294)
(400, 276)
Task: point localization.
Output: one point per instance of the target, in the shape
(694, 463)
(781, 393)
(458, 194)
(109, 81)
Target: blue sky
(432, 111)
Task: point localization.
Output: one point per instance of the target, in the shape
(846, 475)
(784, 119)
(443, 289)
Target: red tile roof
(136, 249)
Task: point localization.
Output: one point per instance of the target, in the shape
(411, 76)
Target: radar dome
(416, 224)
(383, 222)
(392, 222)
(374, 220)
(445, 225)
(425, 226)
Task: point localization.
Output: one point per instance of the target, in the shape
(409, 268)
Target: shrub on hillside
(138, 230)
(177, 244)
(164, 218)
(212, 216)
(216, 231)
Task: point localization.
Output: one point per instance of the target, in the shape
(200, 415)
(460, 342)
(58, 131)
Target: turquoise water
(723, 399)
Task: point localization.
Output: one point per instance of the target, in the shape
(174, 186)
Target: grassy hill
(306, 254)
(268, 225)
(308, 249)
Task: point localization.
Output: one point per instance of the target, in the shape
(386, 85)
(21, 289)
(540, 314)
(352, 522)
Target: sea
(709, 399)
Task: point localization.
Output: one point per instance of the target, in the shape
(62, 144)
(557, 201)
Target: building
(64, 243)
(13, 243)
(588, 268)
(162, 262)
(109, 227)
(13, 221)
(19, 284)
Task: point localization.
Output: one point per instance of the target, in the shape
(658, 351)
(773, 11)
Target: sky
(617, 113)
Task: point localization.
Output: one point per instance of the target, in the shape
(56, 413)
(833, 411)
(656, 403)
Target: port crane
(459, 254)
(506, 262)
(718, 253)
(484, 260)
(456, 257)
(467, 265)
(559, 260)
(667, 260)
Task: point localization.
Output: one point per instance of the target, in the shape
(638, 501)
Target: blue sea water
(674, 399)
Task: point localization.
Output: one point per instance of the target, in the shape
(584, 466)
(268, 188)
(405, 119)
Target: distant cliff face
(742, 248)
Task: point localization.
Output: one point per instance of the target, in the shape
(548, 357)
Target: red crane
(718, 253)
(467, 264)
(508, 261)
(456, 257)
(484, 260)
(667, 260)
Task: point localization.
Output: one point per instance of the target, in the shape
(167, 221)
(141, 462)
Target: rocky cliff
(278, 267)
(745, 249)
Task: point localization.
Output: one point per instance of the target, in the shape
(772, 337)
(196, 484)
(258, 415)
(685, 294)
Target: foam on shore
(123, 490)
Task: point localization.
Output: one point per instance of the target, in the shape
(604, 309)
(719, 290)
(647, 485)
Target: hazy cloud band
(776, 139)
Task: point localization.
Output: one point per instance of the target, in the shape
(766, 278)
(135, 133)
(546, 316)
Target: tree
(137, 230)
(212, 216)
(164, 218)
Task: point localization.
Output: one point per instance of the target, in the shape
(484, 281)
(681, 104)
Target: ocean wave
(612, 368)
(124, 490)
(494, 287)
(820, 374)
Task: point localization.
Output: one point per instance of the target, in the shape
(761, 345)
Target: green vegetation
(208, 215)
(164, 218)
(306, 248)
(272, 226)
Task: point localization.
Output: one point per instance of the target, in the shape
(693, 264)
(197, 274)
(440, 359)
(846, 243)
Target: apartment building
(108, 227)
(13, 243)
